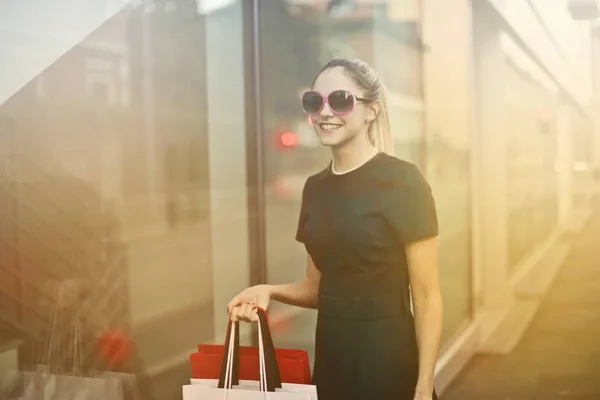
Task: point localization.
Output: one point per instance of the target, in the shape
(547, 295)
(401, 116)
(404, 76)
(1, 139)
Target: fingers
(254, 314)
(243, 312)
(239, 312)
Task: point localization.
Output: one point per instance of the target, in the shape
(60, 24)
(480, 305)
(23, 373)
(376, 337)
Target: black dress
(355, 226)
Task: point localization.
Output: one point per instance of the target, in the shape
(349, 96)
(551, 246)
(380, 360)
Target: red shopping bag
(293, 364)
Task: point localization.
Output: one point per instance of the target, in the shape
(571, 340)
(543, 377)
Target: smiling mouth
(329, 127)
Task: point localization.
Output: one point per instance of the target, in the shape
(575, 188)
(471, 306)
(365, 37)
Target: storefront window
(582, 142)
(297, 39)
(449, 128)
(449, 175)
(123, 172)
(530, 148)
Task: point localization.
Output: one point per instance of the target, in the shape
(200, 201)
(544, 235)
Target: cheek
(355, 121)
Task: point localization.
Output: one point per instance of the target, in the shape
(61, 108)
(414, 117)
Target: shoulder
(392, 171)
(314, 180)
(319, 176)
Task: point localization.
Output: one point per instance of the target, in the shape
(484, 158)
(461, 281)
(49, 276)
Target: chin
(331, 139)
(328, 141)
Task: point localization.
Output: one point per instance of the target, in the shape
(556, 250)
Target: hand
(243, 306)
(423, 393)
(421, 396)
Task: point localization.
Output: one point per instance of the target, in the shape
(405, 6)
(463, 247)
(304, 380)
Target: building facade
(155, 151)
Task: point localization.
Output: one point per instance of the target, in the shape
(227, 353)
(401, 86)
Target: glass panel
(298, 38)
(448, 118)
(582, 134)
(449, 175)
(121, 163)
(530, 164)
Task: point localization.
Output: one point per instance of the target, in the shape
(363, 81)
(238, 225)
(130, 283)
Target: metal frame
(474, 186)
(254, 147)
(254, 141)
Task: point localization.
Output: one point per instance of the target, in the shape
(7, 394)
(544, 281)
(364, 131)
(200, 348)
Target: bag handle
(261, 361)
(229, 361)
(230, 367)
(267, 354)
(269, 368)
(270, 356)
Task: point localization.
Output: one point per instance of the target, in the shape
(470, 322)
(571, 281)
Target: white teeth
(329, 127)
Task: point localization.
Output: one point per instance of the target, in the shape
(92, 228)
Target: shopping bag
(199, 392)
(43, 386)
(230, 386)
(61, 374)
(247, 385)
(294, 365)
(128, 383)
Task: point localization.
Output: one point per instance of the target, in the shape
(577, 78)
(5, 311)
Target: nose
(326, 111)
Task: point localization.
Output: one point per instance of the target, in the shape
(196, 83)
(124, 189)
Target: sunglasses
(341, 102)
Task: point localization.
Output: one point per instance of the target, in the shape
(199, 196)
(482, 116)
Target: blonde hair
(365, 77)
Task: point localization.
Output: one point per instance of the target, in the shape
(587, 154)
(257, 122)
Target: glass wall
(122, 144)
(448, 129)
(449, 176)
(530, 154)
(582, 142)
(297, 39)
(123, 171)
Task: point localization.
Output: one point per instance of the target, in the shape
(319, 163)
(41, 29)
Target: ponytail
(380, 133)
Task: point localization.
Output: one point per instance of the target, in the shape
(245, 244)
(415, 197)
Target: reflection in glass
(582, 141)
(104, 191)
(530, 164)
(448, 171)
(297, 39)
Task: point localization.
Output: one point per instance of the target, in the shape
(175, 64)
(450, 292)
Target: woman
(369, 225)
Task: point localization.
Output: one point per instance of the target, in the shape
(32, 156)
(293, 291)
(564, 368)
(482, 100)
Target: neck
(352, 153)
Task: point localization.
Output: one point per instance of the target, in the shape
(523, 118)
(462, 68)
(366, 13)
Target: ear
(373, 110)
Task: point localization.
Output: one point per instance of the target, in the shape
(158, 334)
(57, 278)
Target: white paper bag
(208, 389)
(294, 388)
(129, 384)
(246, 391)
(43, 386)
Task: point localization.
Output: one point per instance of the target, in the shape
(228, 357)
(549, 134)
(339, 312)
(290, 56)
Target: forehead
(335, 79)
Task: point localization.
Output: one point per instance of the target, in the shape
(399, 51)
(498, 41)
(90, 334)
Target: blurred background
(153, 154)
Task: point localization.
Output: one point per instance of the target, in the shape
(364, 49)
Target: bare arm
(422, 259)
(303, 293)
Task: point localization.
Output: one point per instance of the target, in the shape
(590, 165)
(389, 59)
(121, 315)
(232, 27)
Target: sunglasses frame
(355, 99)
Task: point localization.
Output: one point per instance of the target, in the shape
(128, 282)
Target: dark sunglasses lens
(341, 101)
(312, 102)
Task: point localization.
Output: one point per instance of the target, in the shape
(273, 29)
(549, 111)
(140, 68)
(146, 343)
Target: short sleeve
(412, 210)
(300, 231)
